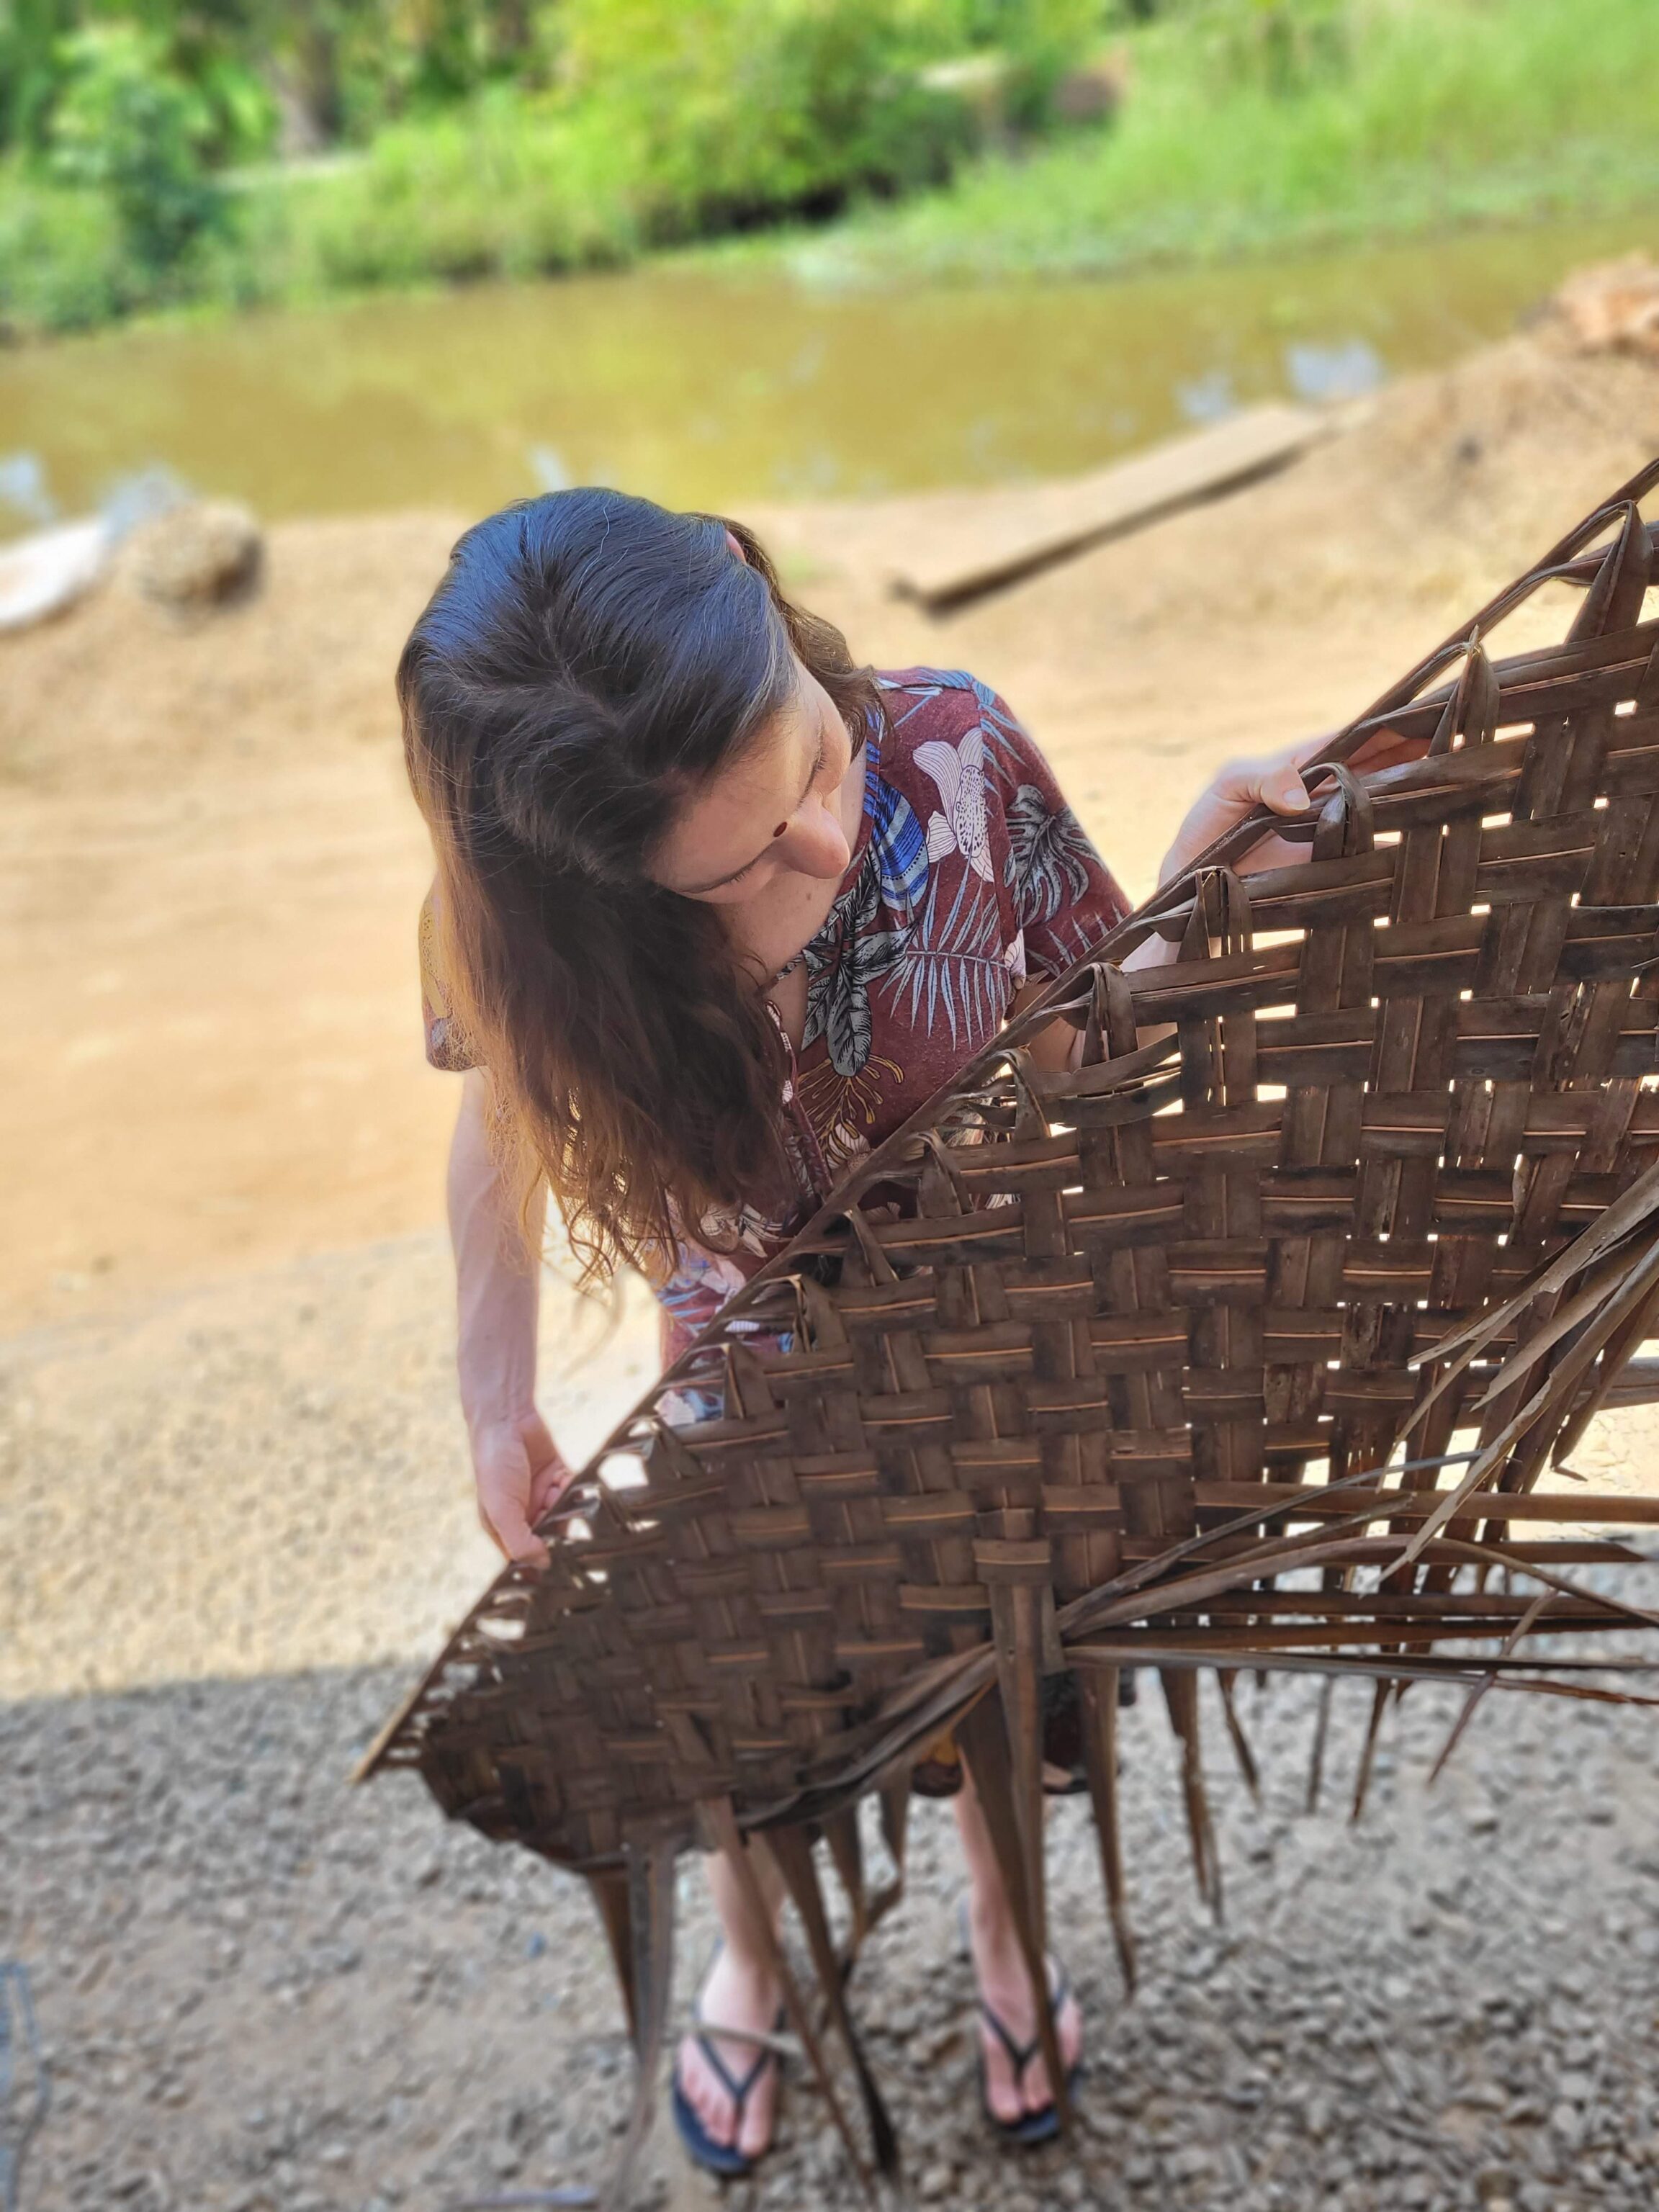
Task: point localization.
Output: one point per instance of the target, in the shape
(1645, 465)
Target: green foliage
(217, 47)
(505, 185)
(1432, 111)
(734, 109)
(344, 68)
(30, 32)
(512, 137)
(1044, 40)
(63, 265)
(1284, 46)
(669, 119)
(347, 67)
(126, 125)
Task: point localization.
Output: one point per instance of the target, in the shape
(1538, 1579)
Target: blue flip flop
(723, 2159)
(1030, 2128)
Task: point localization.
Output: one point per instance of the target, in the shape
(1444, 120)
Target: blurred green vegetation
(1251, 124)
(170, 149)
(154, 152)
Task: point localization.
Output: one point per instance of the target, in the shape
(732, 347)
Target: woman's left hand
(1274, 782)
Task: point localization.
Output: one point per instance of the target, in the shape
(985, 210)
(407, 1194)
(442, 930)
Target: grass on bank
(1246, 125)
(1440, 112)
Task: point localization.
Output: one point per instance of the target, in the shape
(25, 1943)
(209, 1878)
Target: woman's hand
(1274, 782)
(520, 1473)
(517, 1465)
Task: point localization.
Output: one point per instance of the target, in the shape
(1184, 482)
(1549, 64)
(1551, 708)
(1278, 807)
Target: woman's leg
(741, 1992)
(1003, 1982)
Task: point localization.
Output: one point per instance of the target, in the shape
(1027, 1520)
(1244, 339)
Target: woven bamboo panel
(1245, 1342)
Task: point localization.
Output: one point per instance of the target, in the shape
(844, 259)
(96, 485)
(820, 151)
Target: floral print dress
(971, 875)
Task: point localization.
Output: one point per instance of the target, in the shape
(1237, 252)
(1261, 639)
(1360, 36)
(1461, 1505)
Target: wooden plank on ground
(961, 545)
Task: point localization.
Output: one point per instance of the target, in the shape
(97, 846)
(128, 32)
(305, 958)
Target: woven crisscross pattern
(1151, 1361)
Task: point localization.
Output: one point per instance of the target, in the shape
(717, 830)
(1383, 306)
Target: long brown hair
(587, 663)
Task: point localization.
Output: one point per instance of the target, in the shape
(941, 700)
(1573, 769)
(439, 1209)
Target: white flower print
(701, 1272)
(962, 826)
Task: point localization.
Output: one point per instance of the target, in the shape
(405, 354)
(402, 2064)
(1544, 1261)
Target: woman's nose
(815, 844)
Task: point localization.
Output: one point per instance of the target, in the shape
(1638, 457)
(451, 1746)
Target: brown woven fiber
(1243, 1344)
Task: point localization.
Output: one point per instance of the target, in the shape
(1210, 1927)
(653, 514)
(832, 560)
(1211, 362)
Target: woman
(715, 910)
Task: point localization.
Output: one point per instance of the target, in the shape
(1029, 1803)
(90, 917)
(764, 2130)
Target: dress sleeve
(1062, 896)
(446, 1046)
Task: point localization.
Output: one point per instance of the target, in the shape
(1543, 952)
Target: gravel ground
(264, 1991)
(265, 1473)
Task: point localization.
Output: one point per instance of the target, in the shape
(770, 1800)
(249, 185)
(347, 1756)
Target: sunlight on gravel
(268, 1473)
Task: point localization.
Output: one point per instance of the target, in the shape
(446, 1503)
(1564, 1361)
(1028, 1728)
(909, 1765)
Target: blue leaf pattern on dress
(843, 961)
(920, 955)
(901, 851)
(1049, 856)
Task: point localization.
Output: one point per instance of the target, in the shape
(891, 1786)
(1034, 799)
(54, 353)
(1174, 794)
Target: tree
(125, 124)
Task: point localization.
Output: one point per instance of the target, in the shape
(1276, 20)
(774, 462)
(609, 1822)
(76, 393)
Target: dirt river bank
(235, 1504)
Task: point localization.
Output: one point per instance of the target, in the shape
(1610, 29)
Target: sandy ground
(235, 1506)
(209, 867)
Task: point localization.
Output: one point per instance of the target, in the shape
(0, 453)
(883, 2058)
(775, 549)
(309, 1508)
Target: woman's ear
(731, 539)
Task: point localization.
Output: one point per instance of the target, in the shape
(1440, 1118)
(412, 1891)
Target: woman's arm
(1237, 789)
(518, 1467)
(1276, 782)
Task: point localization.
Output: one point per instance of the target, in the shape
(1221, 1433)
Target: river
(701, 387)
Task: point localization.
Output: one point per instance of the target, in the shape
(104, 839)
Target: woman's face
(773, 812)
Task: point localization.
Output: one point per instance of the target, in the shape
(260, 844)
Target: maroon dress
(970, 873)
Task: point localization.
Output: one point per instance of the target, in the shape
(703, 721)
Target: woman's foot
(738, 1994)
(1013, 2094)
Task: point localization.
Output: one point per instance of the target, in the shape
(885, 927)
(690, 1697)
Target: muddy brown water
(699, 385)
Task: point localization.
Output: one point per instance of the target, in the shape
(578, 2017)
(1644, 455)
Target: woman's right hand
(518, 1468)
(520, 1473)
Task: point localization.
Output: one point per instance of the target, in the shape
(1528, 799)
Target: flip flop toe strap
(737, 2091)
(1020, 2054)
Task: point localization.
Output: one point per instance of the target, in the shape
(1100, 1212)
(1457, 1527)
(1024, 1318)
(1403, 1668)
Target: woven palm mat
(1241, 1346)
